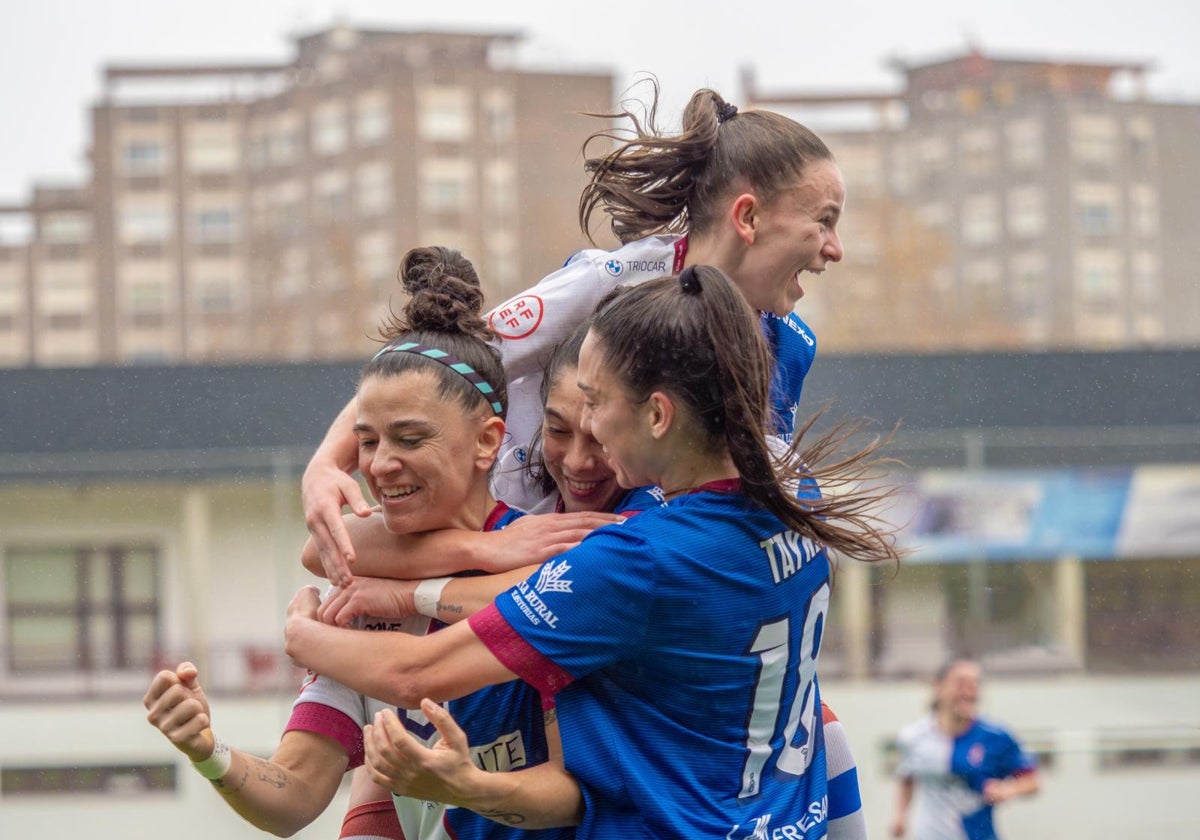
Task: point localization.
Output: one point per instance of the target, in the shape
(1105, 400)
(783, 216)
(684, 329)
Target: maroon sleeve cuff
(516, 654)
(324, 720)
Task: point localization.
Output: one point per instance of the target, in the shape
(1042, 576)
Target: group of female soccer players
(657, 679)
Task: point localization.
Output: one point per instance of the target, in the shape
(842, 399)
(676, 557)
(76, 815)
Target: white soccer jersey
(533, 323)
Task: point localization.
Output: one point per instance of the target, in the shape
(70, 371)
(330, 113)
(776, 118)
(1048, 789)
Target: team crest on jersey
(517, 318)
(975, 755)
(614, 268)
(550, 578)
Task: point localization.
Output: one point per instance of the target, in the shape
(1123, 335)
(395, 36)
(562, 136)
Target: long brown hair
(696, 337)
(654, 183)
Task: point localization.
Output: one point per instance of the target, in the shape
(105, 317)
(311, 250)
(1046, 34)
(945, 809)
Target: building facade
(1005, 202)
(261, 210)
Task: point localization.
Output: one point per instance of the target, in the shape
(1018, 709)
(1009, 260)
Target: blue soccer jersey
(505, 726)
(794, 348)
(949, 773)
(684, 646)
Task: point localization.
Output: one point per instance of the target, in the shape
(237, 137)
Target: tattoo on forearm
(450, 608)
(551, 717)
(269, 773)
(506, 817)
(226, 788)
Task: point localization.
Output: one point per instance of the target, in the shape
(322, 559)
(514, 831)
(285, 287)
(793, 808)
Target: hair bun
(445, 292)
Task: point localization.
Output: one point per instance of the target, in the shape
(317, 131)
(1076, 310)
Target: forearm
(339, 447)
(380, 553)
(1026, 784)
(463, 597)
(543, 796)
(395, 667)
(275, 797)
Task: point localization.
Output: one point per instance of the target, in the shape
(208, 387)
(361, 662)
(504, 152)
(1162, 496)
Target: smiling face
(794, 233)
(575, 459)
(957, 693)
(614, 420)
(424, 458)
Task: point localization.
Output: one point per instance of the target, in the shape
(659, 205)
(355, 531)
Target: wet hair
(654, 183)
(444, 313)
(697, 339)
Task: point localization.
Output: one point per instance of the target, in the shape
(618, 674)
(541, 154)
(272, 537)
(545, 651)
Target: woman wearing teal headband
(430, 420)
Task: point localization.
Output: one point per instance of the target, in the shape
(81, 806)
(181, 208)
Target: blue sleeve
(587, 608)
(1016, 759)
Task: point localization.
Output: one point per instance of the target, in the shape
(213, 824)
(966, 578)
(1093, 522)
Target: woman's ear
(743, 214)
(661, 413)
(487, 442)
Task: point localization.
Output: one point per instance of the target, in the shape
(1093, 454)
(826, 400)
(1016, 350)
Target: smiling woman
(430, 418)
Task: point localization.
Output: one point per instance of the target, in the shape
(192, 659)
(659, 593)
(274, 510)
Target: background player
(956, 765)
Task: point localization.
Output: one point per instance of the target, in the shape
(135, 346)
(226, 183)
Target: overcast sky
(52, 52)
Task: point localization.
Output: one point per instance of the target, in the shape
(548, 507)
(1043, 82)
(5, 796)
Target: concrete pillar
(1071, 607)
(854, 593)
(197, 528)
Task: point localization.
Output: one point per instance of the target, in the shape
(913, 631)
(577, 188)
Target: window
(498, 116)
(283, 143)
(978, 148)
(212, 149)
(376, 259)
(1147, 279)
(980, 220)
(1026, 211)
(214, 294)
(1028, 279)
(87, 608)
(332, 196)
(1096, 209)
(1143, 210)
(66, 228)
(445, 186)
(214, 224)
(1098, 277)
(1094, 138)
(145, 223)
(143, 157)
(1026, 147)
(374, 188)
(373, 122)
(444, 114)
(329, 128)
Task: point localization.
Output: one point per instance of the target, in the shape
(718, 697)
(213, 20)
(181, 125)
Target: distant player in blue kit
(753, 193)
(681, 646)
(958, 766)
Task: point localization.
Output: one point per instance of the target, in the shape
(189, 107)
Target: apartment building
(1010, 202)
(260, 210)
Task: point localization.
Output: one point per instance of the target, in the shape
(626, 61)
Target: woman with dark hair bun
(429, 421)
(681, 647)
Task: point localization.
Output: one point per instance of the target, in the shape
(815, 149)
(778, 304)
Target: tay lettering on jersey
(787, 553)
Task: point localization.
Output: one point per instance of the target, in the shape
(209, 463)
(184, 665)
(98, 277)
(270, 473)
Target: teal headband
(461, 368)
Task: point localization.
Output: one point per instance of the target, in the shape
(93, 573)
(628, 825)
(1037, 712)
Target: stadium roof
(981, 409)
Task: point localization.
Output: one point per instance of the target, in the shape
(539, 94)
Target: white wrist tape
(217, 764)
(427, 595)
